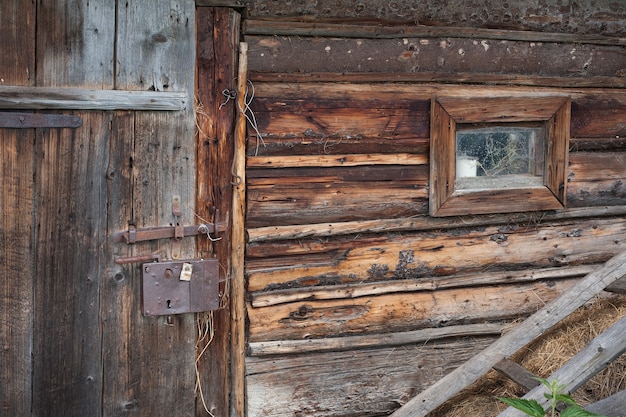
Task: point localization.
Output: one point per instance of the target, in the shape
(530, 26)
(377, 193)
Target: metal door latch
(179, 287)
(134, 235)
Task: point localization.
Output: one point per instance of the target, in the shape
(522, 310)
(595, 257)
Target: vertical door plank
(150, 360)
(218, 37)
(75, 46)
(70, 229)
(75, 43)
(16, 293)
(17, 66)
(17, 43)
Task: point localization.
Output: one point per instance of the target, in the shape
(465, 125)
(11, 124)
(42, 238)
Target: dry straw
(546, 355)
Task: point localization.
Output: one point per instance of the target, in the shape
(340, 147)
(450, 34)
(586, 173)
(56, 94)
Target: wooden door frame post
(238, 308)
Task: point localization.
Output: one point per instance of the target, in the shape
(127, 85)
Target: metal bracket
(180, 287)
(33, 120)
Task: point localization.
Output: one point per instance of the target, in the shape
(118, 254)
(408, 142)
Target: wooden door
(73, 339)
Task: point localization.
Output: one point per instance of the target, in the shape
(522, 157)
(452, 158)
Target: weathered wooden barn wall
(73, 340)
(357, 298)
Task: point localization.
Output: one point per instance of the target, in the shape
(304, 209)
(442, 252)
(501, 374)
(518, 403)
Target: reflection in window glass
(499, 156)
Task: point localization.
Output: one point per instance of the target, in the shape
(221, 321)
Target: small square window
(498, 154)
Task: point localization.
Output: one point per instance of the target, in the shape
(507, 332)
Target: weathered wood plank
(151, 366)
(305, 203)
(75, 44)
(289, 347)
(440, 77)
(448, 55)
(16, 270)
(515, 339)
(238, 292)
(597, 18)
(400, 312)
(618, 286)
(419, 223)
(17, 43)
(121, 283)
(343, 291)
(217, 42)
(36, 98)
(346, 110)
(335, 160)
(273, 27)
(613, 406)
(434, 254)
(516, 373)
(70, 193)
(596, 356)
(363, 382)
(330, 122)
(17, 67)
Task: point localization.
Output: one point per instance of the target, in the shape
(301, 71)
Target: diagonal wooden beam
(517, 338)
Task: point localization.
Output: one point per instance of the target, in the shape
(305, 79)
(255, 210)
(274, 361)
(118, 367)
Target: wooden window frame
(447, 112)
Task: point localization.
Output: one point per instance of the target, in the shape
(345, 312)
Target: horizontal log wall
(341, 250)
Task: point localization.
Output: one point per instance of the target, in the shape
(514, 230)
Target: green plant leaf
(565, 398)
(577, 411)
(530, 407)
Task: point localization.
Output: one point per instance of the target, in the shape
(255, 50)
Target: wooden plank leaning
(514, 340)
(596, 356)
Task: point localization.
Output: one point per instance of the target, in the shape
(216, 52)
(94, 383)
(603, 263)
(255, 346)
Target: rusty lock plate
(180, 287)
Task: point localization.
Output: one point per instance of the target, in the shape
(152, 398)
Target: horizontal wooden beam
(351, 291)
(37, 98)
(342, 30)
(274, 233)
(284, 347)
(301, 161)
(221, 3)
(441, 77)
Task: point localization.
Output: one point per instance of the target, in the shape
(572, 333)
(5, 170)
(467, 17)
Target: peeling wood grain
(420, 223)
(411, 255)
(337, 344)
(357, 290)
(400, 312)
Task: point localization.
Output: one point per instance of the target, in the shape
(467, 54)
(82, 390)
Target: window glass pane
(499, 156)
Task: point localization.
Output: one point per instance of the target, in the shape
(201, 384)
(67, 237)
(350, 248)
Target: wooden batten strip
(343, 30)
(304, 161)
(270, 298)
(37, 98)
(421, 223)
(286, 347)
(437, 77)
